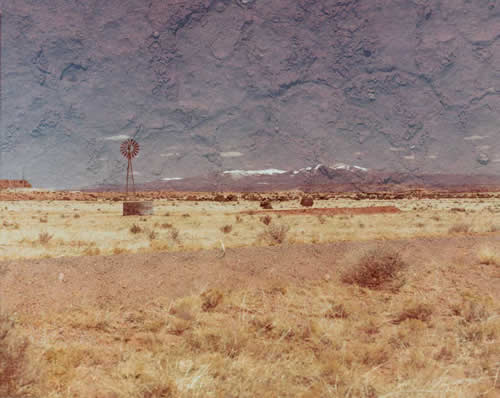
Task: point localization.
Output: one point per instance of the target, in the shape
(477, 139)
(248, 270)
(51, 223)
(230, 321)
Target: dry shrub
(336, 311)
(470, 310)
(44, 238)
(226, 228)
(135, 229)
(211, 299)
(178, 326)
(460, 228)
(152, 235)
(379, 267)
(229, 341)
(307, 201)
(174, 234)
(92, 251)
(276, 233)
(186, 307)
(266, 204)
(420, 311)
(488, 256)
(494, 228)
(266, 219)
(12, 359)
(166, 226)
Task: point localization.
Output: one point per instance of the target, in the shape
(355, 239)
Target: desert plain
(219, 297)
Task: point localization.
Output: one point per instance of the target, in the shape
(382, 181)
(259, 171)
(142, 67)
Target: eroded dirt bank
(36, 286)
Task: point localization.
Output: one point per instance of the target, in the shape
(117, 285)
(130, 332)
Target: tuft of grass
(211, 299)
(44, 238)
(119, 250)
(266, 219)
(152, 235)
(276, 233)
(92, 251)
(488, 256)
(420, 311)
(135, 229)
(12, 358)
(376, 268)
(174, 234)
(460, 228)
(494, 228)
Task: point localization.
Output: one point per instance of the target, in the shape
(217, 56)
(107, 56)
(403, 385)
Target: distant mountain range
(411, 87)
(320, 178)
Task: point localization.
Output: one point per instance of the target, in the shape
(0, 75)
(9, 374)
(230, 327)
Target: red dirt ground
(131, 280)
(333, 211)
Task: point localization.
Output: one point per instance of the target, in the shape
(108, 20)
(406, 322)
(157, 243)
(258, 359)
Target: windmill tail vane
(129, 149)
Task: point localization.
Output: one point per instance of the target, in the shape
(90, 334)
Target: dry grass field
(218, 299)
(34, 229)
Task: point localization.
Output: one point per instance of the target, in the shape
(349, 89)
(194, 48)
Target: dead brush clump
(135, 229)
(470, 310)
(13, 362)
(92, 251)
(174, 235)
(488, 256)
(276, 233)
(377, 268)
(336, 311)
(44, 238)
(460, 228)
(266, 219)
(152, 235)
(211, 299)
(227, 228)
(419, 311)
(494, 228)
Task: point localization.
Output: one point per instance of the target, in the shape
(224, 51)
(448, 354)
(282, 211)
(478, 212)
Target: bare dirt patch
(36, 286)
(333, 211)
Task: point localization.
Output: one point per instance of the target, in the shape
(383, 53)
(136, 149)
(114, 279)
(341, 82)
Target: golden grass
(357, 333)
(324, 338)
(103, 225)
(489, 256)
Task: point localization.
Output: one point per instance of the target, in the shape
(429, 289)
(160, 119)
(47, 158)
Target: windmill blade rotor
(129, 148)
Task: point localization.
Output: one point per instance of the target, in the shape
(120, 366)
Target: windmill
(129, 149)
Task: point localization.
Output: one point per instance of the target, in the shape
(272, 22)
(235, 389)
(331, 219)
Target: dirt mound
(129, 279)
(335, 211)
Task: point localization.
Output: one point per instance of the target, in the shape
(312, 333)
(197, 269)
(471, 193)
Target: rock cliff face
(209, 85)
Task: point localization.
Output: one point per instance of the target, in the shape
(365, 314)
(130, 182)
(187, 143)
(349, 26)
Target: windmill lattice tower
(130, 149)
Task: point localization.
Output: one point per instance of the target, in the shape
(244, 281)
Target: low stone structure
(143, 208)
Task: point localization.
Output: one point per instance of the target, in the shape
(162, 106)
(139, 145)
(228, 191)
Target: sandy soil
(38, 286)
